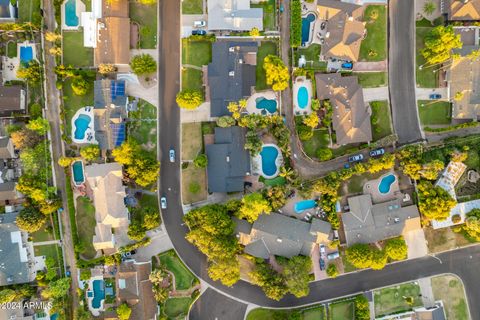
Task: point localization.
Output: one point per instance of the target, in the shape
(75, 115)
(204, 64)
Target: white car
(171, 155)
(163, 202)
(308, 216)
(322, 251)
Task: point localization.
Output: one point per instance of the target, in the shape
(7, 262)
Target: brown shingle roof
(11, 99)
(462, 10)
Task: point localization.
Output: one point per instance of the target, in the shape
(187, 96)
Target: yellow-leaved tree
(276, 72)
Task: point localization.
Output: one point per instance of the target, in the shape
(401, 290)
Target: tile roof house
(9, 173)
(463, 10)
(435, 312)
(351, 115)
(368, 223)
(344, 29)
(6, 148)
(231, 74)
(233, 15)
(135, 288)
(104, 183)
(276, 234)
(12, 100)
(228, 161)
(110, 102)
(16, 252)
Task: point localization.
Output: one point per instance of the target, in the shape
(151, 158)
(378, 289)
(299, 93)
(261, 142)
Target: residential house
(12, 101)
(107, 29)
(230, 75)
(279, 235)
(463, 10)
(233, 15)
(135, 288)
(368, 223)
(351, 115)
(435, 312)
(9, 173)
(8, 11)
(462, 77)
(344, 29)
(16, 252)
(228, 161)
(110, 103)
(106, 189)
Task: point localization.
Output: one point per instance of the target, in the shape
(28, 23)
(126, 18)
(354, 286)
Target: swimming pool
(26, 54)
(266, 104)
(81, 125)
(98, 293)
(302, 97)
(77, 168)
(269, 155)
(71, 19)
(306, 23)
(303, 205)
(386, 183)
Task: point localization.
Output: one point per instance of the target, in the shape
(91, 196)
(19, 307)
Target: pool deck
(371, 187)
(90, 130)
(252, 104)
(95, 311)
(80, 7)
(307, 83)
(289, 208)
(257, 162)
(315, 30)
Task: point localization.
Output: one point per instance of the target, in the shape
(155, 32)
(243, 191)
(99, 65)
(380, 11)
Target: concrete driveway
(375, 94)
(424, 93)
(160, 243)
(417, 245)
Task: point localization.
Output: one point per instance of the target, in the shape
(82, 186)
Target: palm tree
(429, 8)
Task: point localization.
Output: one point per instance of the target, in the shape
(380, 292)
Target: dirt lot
(194, 184)
(191, 140)
(444, 239)
(450, 290)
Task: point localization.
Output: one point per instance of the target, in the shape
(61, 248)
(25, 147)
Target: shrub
(189, 99)
(332, 271)
(143, 64)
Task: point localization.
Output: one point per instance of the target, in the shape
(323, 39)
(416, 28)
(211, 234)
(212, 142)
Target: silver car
(163, 202)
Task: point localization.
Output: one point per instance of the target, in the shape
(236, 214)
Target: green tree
(332, 271)
(385, 162)
(305, 133)
(57, 289)
(143, 64)
(360, 255)
(276, 196)
(295, 23)
(7, 295)
(124, 311)
(201, 161)
(254, 32)
(30, 219)
(31, 73)
(39, 125)
(296, 272)
(25, 138)
(253, 143)
(379, 260)
(189, 99)
(362, 308)
(434, 202)
(65, 162)
(151, 218)
(269, 280)
(136, 231)
(276, 72)
(227, 271)
(439, 43)
(253, 205)
(429, 8)
(472, 224)
(225, 121)
(125, 153)
(90, 152)
(80, 86)
(396, 248)
(324, 154)
(311, 120)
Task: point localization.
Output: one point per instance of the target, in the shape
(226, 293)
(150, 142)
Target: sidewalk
(46, 243)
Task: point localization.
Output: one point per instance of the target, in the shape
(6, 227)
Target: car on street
(435, 96)
(163, 202)
(322, 264)
(171, 155)
(377, 152)
(355, 158)
(199, 32)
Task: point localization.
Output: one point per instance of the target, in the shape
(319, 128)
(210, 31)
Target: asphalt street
(215, 306)
(401, 70)
(463, 262)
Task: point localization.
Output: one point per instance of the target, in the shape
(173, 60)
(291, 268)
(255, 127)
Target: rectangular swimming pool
(26, 54)
(77, 169)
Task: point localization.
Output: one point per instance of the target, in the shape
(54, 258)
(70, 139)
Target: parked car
(435, 96)
(199, 23)
(171, 155)
(199, 32)
(322, 264)
(347, 65)
(163, 202)
(126, 255)
(323, 25)
(377, 152)
(322, 250)
(333, 255)
(308, 216)
(346, 165)
(355, 158)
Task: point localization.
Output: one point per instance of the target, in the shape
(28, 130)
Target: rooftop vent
(231, 73)
(231, 49)
(279, 240)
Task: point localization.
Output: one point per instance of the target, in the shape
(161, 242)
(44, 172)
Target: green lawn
(192, 79)
(177, 307)
(42, 234)
(267, 47)
(145, 15)
(149, 201)
(86, 225)
(197, 53)
(192, 6)
(449, 289)
(426, 78)
(381, 123)
(434, 112)
(392, 299)
(312, 55)
(320, 139)
(74, 52)
(193, 177)
(11, 49)
(51, 250)
(372, 79)
(73, 102)
(308, 313)
(278, 181)
(268, 14)
(183, 277)
(342, 311)
(29, 11)
(142, 125)
(374, 46)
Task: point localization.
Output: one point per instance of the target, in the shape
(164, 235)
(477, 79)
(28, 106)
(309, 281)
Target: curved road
(463, 262)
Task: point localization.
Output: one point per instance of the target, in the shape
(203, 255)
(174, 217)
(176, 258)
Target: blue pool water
(302, 97)
(385, 183)
(98, 293)
(71, 19)
(269, 154)
(266, 104)
(306, 23)
(301, 206)
(81, 125)
(26, 54)
(78, 176)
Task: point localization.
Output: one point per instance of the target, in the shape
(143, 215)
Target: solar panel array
(117, 89)
(118, 133)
